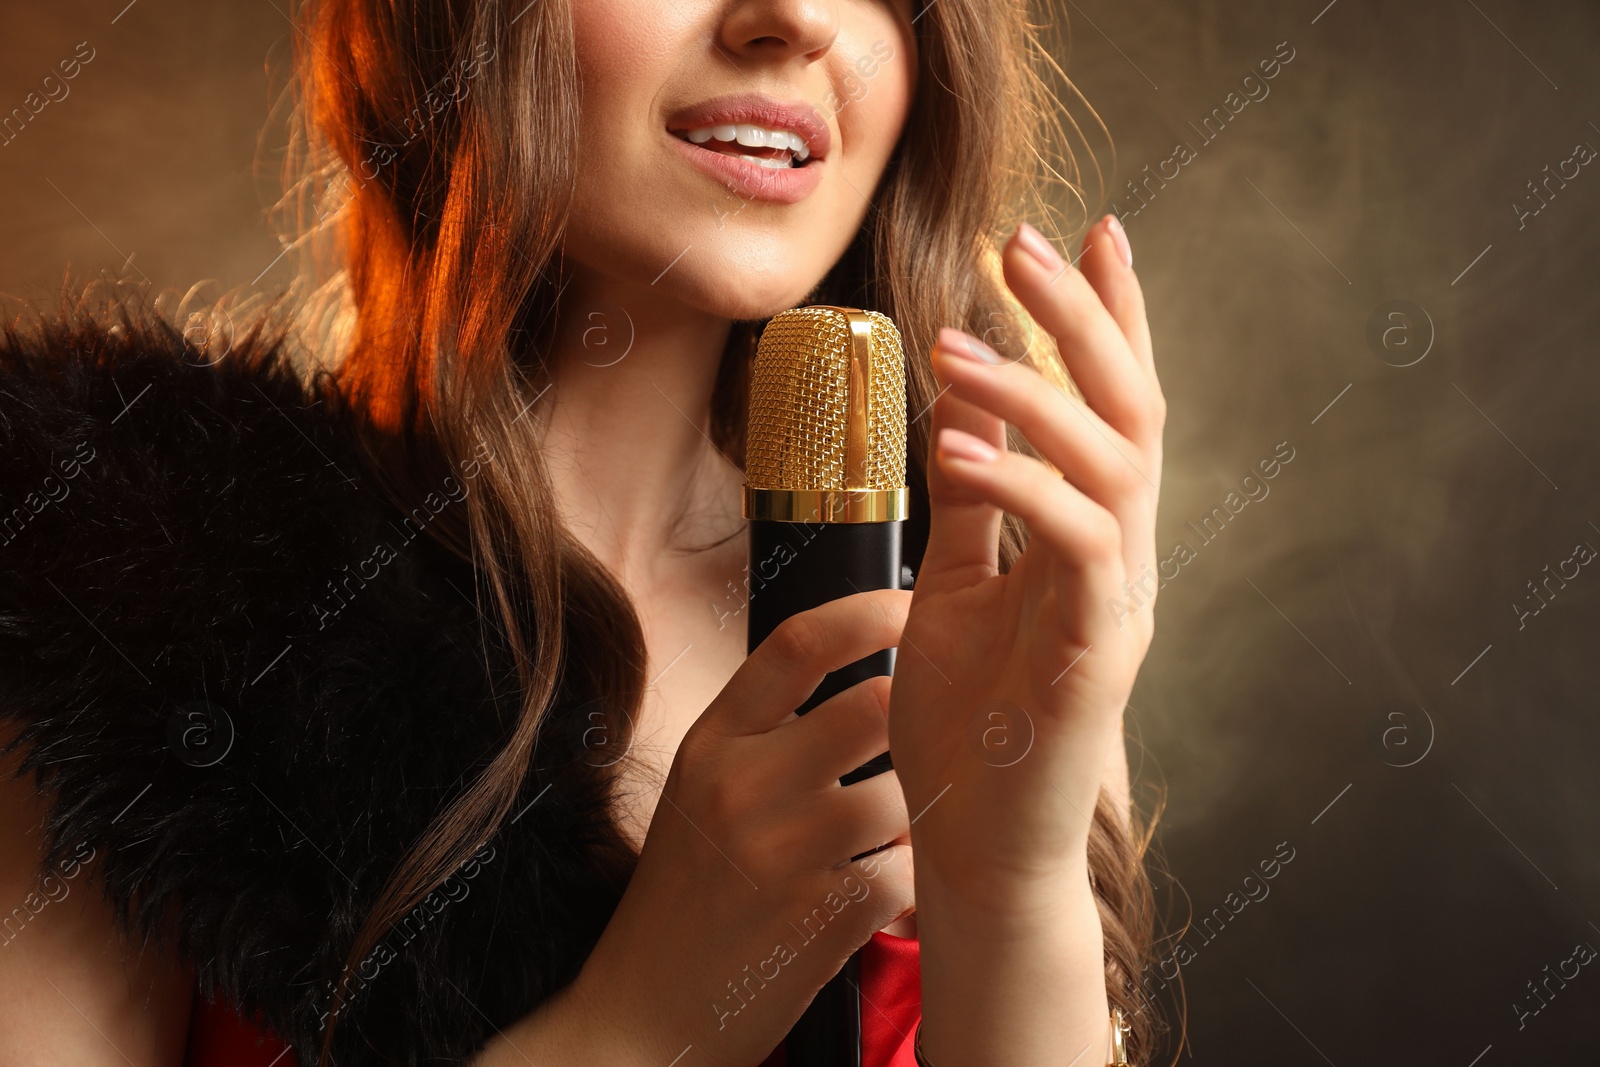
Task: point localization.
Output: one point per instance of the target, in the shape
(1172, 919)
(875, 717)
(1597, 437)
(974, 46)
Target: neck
(627, 435)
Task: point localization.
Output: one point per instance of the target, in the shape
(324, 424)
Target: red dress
(891, 1005)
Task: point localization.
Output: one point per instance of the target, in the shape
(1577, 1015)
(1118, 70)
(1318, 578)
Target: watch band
(1119, 1035)
(1119, 1048)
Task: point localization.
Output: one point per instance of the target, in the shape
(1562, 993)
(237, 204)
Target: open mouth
(771, 148)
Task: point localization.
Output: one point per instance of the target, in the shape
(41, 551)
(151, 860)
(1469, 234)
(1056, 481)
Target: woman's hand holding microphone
(745, 900)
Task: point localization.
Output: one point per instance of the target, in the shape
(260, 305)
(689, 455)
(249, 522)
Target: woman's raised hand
(1008, 689)
(745, 900)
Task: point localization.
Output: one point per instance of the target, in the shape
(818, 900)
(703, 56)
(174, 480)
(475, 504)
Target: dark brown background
(1357, 618)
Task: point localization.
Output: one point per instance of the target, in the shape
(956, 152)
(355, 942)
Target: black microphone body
(795, 566)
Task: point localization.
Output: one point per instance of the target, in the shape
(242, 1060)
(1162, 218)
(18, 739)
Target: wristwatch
(1119, 1049)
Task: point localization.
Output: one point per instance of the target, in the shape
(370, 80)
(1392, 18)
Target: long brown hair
(427, 111)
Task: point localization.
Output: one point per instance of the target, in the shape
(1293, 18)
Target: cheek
(880, 86)
(624, 50)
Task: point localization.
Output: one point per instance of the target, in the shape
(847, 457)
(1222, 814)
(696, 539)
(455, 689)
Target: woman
(482, 769)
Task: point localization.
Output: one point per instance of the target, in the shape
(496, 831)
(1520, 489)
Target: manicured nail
(962, 445)
(1119, 238)
(1041, 249)
(960, 343)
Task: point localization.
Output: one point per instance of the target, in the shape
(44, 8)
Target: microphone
(826, 498)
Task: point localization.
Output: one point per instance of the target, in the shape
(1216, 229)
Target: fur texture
(247, 682)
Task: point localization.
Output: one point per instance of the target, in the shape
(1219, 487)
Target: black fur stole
(248, 682)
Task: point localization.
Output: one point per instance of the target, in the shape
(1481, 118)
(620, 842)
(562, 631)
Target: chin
(740, 290)
(752, 305)
(737, 271)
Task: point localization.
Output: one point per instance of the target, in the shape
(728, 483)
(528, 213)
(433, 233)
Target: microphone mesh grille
(799, 403)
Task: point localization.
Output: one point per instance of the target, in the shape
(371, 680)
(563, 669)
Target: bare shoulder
(75, 990)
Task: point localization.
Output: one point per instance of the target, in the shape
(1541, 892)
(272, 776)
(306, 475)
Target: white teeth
(753, 136)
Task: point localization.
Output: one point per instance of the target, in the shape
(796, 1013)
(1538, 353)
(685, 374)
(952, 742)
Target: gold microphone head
(826, 440)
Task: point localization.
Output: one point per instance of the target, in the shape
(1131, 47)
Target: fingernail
(1039, 248)
(1119, 238)
(962, 445)
(960, 343)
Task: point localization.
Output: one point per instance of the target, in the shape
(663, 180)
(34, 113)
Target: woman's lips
(749, 180)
